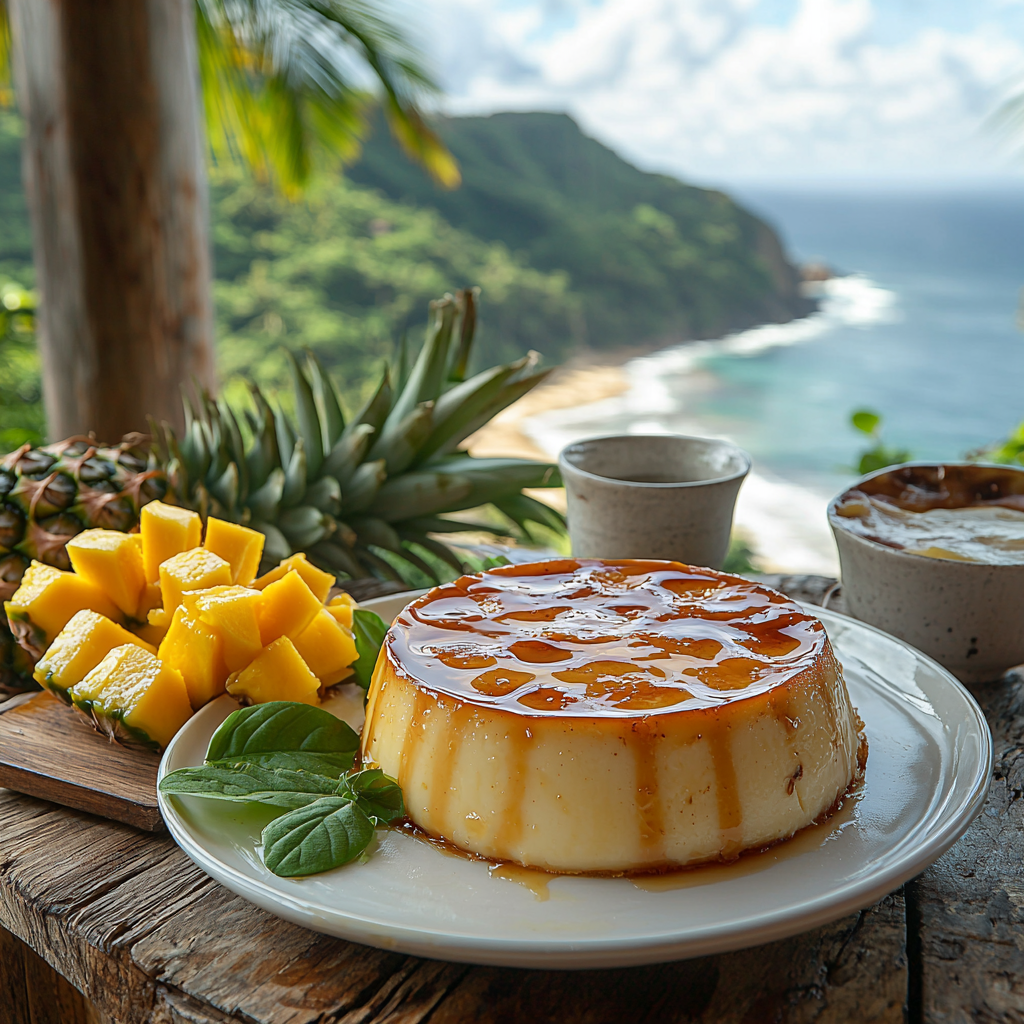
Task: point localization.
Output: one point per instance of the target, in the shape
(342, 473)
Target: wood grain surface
(48, 750)
(149, 939)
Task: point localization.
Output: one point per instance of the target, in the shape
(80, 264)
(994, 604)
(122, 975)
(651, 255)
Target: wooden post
(114, 167)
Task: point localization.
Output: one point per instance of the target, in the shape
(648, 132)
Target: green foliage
(649, 259)
(740, 557)
(284, 734)
(1009, 451)
(879, 455)
(282, 84)
(22, 418)
(328, 821)
(346, 272)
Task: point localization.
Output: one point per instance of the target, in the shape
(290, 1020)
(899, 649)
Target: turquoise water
(944, 363)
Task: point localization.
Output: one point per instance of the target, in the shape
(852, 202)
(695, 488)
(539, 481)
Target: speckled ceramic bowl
(652, 496)
(968, 616)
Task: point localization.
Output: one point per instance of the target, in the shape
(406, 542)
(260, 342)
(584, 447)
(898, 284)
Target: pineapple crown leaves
(349, 492)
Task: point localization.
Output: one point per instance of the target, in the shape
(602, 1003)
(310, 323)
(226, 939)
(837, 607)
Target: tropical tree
(117, 100)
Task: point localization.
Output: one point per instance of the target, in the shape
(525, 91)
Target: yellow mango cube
(279, 673)
(231, 612)
(327, 648)
(79, 647)
(286, 608)
(197, 569)
(131, 694)
(241, 547)
(111, 561)
(317, 580)
(341, 608)
(197, 652)
(47, 599)
(166, 530)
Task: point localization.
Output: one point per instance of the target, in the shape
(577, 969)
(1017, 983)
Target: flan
(611, 717)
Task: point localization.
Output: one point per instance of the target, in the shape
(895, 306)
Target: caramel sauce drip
(608, 638)
(598, 639)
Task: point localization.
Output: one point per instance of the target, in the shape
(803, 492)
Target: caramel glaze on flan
(611, 716)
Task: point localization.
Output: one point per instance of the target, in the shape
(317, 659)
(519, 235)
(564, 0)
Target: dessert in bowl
(934, 554)
(611, 716)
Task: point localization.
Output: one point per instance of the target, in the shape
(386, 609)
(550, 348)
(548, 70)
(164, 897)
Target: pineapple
(239, 546)
(133, 697)
(327, 648)
(80, 646)
(197, 569)
(341, 608)
(45, 603)
(196, 650)
(317, 580)
(277, 673)
(231, 612)
(111, 561)
(286, 608)
(367, 496)
(50, 494)
(166, 531)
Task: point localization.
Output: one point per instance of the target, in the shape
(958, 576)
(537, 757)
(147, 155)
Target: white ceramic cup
(652, 496)
(968, 616)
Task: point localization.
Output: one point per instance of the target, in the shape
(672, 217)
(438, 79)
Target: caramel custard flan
(583, 715)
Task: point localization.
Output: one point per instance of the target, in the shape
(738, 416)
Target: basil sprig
(369, 630)
(284, 734)
(293, 756)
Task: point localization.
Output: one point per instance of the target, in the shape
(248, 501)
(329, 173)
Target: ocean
(922, 328)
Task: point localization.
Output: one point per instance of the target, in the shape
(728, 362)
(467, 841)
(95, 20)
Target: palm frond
(6, 88)
(282, 86)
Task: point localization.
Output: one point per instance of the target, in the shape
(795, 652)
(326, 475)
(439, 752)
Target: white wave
(785, 522)
(853, 301)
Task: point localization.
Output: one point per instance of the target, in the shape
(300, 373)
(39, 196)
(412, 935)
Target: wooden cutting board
(48, 750)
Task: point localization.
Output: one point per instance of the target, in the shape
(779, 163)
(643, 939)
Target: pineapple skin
(51, 493)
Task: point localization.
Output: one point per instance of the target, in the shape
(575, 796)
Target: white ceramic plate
(929, 760)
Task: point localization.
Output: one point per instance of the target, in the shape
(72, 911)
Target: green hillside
(570, 244)
(649, 257)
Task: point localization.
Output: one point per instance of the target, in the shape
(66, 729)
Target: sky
(749, 90)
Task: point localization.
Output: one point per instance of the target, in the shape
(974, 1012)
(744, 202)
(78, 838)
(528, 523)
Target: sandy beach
(784, 524)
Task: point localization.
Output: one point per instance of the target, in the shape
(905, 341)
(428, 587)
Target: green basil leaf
(379, 795)
(285, 734)
(324, 835)
(369, 629)
(249, 783)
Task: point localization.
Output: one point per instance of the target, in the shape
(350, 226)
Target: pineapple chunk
(197, 569)
(286, 608)
(327, 648)
(317, 580)
(149, 599)
(238, 545)
(197, 652)
(231, 612)
(341, 608)
(111, 561)
(131, 694)
(80, 646)
(279, 673)
(44, 603)
(166, 530)
(151, 632)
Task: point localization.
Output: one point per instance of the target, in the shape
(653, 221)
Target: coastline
(784, 523)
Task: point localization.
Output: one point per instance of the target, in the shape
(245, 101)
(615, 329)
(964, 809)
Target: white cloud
(709, 88)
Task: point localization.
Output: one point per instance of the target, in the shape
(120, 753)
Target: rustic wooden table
(103, 923)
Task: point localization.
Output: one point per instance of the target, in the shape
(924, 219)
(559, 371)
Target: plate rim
(600, 952)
